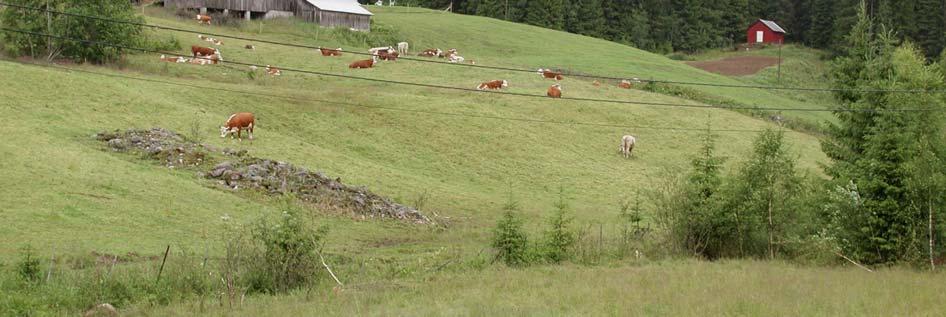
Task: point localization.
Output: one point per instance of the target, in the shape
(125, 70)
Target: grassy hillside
(467, 166)
(64, 193)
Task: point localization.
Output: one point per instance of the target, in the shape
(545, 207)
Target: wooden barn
(764, 32)
(328, 13)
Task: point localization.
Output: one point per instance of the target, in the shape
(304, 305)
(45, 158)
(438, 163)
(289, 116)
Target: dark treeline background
(692, 25)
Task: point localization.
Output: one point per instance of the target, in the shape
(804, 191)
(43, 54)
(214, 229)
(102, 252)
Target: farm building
(328, 13)
(765, 31)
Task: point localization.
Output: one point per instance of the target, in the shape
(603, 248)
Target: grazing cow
(403, 48)
(250, 47)
(388, 55)
(555, 91)
(367, 63)
(202, 51)
(625, 84)
(431, 52)
(627, 145)
(273, 71)
(548, 73)
(331, 52)
(492, 85)
(237, 123)
(201, 19)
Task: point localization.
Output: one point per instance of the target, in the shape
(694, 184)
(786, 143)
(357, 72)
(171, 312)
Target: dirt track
(736, 66)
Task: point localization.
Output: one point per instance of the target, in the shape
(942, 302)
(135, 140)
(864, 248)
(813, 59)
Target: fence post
(160, 270)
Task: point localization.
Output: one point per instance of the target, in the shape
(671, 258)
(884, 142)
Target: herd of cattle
(238, 122)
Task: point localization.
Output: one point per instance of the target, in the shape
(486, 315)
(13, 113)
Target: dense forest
(693, 25)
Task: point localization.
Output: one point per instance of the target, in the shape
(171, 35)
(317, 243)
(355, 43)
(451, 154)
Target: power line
(350, 104)
(658, 81)
(659, 104)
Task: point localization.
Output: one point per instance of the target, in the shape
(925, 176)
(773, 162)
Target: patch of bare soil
(737, 65)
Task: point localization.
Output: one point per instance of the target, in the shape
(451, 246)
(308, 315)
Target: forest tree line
(693, 25)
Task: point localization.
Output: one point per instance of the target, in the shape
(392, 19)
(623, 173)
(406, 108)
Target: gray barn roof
(346, 6)
(773, 26)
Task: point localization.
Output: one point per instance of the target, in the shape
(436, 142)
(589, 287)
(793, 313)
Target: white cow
(627, 145)
(403, 48)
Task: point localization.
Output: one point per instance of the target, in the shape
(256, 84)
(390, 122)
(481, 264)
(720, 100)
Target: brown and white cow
(388, 55)
(331, 51)
(596, 83)
(367, 63)
(173, 59)
(493, 85)
(625, 84)
(202, 51)
(237, 123)
(548, 73)
(431, 52)
(627, 145)
(201, 19)
(273, 71)
(555, 91)
(249, 47)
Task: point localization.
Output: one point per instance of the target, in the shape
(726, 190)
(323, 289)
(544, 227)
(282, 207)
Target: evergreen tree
(929, 27)
(590, 18)
(546, 13)
(885, 154)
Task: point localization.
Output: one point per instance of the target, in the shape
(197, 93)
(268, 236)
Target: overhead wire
(359, 105)
(511, 69)
(388, 81)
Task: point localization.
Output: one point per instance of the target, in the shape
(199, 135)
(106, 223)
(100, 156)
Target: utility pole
(49, 30)
(779, 78)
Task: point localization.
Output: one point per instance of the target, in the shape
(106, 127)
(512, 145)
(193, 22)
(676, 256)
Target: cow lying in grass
(555, 91)
(331, 52)
(367, 63)
(493, 85)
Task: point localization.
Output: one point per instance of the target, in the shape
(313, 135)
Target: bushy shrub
(28, 268)
(380, 35)
(286, 254)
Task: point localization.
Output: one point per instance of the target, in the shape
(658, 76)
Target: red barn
(765, 31)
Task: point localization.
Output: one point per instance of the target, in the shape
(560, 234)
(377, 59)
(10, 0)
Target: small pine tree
(509, 238)
(560, 237)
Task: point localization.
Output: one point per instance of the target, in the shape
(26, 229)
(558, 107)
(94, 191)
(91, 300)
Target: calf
(237, 123)
(555, 91)
(625, 84)
(492, 85)
(331, 52)
(627, 145)
(367, 63)
(273, 71)
(201, 19)
(403, 47)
